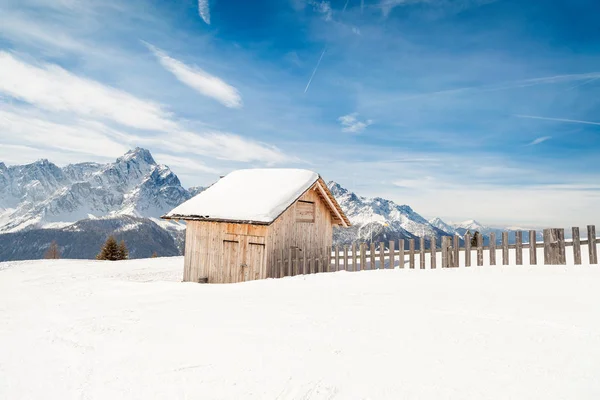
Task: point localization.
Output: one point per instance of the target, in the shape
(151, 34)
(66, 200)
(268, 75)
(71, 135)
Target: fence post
(467, 250)
(554, 247)
(444, 251)
(422, 253)
(363, 256)
(354, 257)
(519, 247)
(372, 256)
(456, 250)
(504, 248)
(480, 250)
(328, 260)
(401, 252)
(593, 252)
(533, 248)
(381, 255)
(391, 254)
(433, 261)
(346, 257)
(411, 253)
(576, 246)
(492, 248)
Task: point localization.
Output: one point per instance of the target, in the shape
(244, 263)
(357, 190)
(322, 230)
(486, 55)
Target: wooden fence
(363, 256)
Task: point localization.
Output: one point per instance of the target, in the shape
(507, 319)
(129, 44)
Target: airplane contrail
(315, 70)
(574, 121)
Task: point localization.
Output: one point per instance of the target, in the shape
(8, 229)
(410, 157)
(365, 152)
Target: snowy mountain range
(42, 195)
(84, 203)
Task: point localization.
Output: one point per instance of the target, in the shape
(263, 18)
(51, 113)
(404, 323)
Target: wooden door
(255, 259)
(231, 260)
(243, 259)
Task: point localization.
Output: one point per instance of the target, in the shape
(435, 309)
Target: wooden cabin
(237, 227)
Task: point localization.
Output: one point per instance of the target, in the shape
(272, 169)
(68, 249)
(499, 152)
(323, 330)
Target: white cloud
(184, 165)
(55, 89)
(199, 80)
(79, 137)
(204, 11)
(351, 123)
(221, 146)
(540, 140)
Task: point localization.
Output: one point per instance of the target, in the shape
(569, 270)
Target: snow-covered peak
(137, 155)
(363, 210)
(471, 225)
(443, 226)
(41, 193)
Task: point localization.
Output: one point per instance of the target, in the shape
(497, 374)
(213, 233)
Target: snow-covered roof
(250, 196)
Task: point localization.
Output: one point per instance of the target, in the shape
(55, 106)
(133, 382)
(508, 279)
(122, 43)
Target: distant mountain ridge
(79, 205)
(42, 195)
(379, 220)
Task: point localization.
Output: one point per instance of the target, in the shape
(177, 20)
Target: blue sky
(462, 109)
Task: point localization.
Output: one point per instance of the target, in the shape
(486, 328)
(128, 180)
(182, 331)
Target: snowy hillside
(43, 195)
(131, 330)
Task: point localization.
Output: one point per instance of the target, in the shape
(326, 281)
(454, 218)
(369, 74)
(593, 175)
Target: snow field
(132, 330)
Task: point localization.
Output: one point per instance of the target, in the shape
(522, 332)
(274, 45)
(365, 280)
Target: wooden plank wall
(310, 237)
(205, 240)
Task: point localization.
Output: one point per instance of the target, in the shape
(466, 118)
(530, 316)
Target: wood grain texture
(363, 256)
(576, 246)
(554, 247)
(592, 250)
(467, 250)
(422, 253)
(519, 247)
(433, 253)
(505, 260)
(391, 254)
(445, 263)
(411, 253)
(456, 257)
(372, 256)
(354, 258)
(480, 250)
(532, 248)
(493, 248)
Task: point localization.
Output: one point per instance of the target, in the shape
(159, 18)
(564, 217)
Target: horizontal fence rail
(403, 253)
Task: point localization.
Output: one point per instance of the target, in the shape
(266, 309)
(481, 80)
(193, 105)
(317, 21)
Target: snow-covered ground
(132, 330)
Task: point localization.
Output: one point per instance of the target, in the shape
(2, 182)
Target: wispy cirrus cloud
(452, 6)
(573, 121)
(199, 80)
(540, 140)
(53, 88)
(352, 124)
(204, 10)
(60, 110)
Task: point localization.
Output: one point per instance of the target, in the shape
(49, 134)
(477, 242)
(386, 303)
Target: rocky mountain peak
(138, 155)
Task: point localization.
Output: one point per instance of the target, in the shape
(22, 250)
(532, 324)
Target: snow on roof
(249, 195)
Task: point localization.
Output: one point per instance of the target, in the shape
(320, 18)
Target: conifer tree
(53, 252)
(123, 251)
(110, 251)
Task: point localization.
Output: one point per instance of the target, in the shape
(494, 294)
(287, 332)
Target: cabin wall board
(286, 232)
(207, 255)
